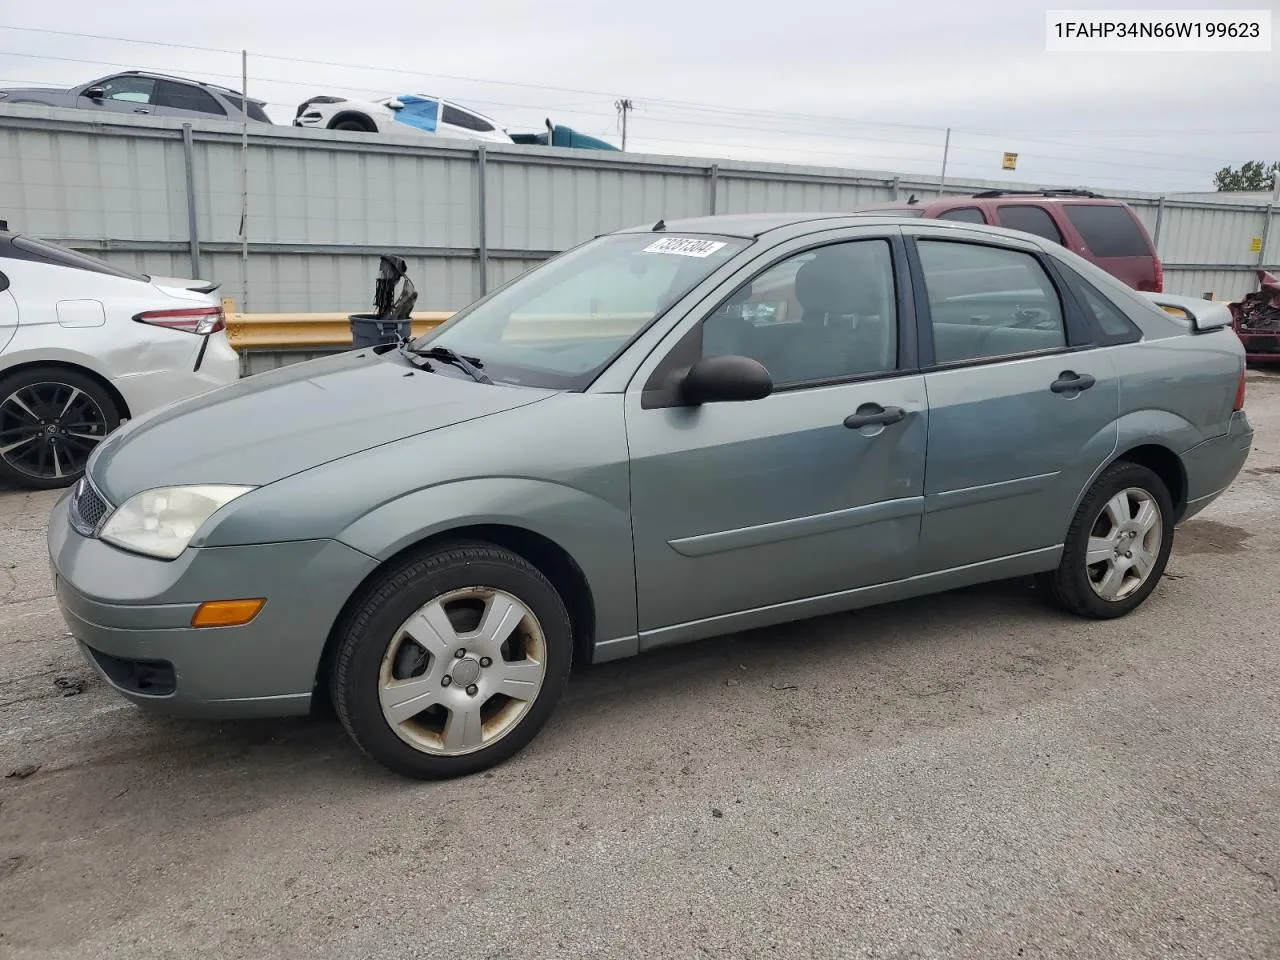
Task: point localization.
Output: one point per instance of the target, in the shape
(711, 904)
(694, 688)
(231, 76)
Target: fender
(596, 534)
(1139, 428)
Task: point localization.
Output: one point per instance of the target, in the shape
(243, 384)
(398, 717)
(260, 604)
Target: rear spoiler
(1202, 316)
(196, 286)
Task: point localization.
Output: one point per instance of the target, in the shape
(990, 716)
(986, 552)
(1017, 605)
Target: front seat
(842, 330)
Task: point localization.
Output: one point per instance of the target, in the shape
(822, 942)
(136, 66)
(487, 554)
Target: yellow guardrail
(331, 331)
(300, 331)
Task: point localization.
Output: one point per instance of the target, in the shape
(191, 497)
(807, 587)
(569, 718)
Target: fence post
(897, 182)
(713, 178)
(1155, 238)
(483, 225)
(193, 232)
(1266, 235)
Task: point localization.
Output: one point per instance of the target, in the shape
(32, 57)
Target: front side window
(987, 302)
(184, 96)
(560, 324)
(128, 89)
(823, 314)
(1030, 219)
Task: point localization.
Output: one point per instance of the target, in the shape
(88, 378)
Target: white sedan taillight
(198, 320)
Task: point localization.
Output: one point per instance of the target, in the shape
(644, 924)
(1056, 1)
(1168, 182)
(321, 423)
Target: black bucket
(368, 331)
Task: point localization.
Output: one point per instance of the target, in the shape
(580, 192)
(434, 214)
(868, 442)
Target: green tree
(1252, 176)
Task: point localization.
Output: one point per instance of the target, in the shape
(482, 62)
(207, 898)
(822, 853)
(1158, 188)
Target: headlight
(161, 522)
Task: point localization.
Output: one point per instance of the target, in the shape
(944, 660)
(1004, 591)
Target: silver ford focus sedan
(666, 433)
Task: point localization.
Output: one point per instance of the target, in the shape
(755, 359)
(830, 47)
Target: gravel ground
(970, 775)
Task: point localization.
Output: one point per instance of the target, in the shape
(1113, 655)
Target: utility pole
(946, 149)
(244, 181)
(624, 107)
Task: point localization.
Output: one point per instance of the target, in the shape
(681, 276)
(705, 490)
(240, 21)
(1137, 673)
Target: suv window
(1029, 219)
(824, 314)
(128, 89)
(28, 248)
(963, 214)
(468, 121)
(1109, 230)
(1117, 327)
(184, 96)
(255, 112)
(987, 302)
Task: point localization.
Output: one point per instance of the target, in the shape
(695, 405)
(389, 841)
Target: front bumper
(1213, 465)
(131, 616)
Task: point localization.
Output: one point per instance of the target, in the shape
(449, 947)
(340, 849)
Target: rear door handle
(1069, 381)
(141, 110)
(874, 415)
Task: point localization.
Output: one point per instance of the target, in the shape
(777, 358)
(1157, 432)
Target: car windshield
(559, 325)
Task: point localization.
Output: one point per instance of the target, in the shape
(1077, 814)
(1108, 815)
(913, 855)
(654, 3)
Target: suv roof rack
(987, 194)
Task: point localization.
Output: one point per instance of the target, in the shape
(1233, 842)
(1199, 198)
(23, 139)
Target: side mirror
(725, 379)
(394, 105)
(95, 93)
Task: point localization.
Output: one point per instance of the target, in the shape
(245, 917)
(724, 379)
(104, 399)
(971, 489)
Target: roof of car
(750, 225)
(200, 83)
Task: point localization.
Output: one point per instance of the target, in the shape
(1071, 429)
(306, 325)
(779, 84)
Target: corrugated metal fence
(164, 198)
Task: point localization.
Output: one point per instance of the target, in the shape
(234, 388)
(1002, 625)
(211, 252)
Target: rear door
(174, 99)
(1023, 403)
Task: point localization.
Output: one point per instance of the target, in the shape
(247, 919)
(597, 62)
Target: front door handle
(1069, 381)
(875, 415)
(141, 110)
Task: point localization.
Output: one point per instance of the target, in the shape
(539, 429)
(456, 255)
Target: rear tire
(1117, 546)
(452, 662)
(51, 419)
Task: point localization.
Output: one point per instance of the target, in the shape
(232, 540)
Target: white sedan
(85, 346)
(415, 112)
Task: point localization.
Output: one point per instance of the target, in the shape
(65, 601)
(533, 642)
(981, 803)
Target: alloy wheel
(462, 671)
(48, 429)
(1124, 544)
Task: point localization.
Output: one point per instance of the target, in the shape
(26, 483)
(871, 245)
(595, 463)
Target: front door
(123, 94)
(814, 490)
(1023, 411)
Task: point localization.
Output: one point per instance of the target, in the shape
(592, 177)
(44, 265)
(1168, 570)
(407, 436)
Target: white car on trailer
(406, 112)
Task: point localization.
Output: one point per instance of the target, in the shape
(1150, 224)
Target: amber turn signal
(226, 613)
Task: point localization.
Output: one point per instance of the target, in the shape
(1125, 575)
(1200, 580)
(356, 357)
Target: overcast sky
(835, 84)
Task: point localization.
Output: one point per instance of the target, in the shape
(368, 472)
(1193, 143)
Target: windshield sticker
(684, 247)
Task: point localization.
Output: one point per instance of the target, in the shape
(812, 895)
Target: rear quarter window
(1116, 327)
(1109, 230)
(28, 248)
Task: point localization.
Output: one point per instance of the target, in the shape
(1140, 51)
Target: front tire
(357, 125)
(1118, 544)
(452, 662)
(51, 419)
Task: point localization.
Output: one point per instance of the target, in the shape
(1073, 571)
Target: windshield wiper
(414, 358)
(469, 365)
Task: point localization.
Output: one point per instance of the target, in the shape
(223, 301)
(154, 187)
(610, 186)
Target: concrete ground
(970, 775)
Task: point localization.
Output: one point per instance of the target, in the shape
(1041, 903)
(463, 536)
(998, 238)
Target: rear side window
(1030, 219)
(988, 302)
(1115, 325)
(460, 118)
(28, 248)
(183, 96)
(963, 214)
(1108, 230)
(255, 111)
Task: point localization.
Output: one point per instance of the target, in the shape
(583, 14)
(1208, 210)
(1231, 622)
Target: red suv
(1102, 230)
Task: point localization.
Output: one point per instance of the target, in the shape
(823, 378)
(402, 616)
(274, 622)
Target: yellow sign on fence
(1010, 161)
(1255, 245)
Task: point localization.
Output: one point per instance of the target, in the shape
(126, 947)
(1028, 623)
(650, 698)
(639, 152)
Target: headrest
(840, 280)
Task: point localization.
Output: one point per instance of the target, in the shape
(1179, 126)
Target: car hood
(272, 425)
